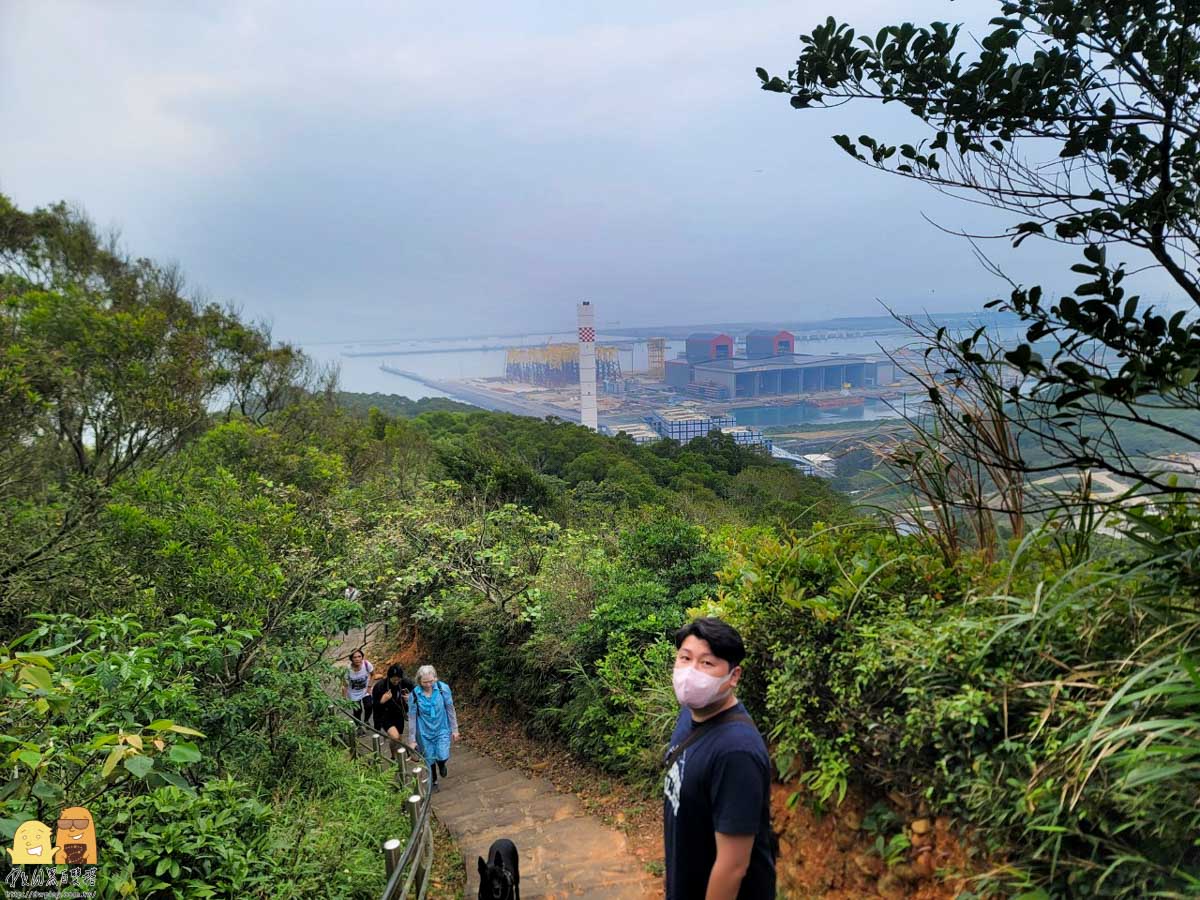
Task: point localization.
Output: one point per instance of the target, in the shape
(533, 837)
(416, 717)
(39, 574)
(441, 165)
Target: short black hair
(395, 670)
(722, 638)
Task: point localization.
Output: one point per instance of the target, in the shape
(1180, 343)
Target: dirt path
(564, 851)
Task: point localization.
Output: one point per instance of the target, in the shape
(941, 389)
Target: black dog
(500, 876)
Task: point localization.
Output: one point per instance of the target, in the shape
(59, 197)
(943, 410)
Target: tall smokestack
(587, 365)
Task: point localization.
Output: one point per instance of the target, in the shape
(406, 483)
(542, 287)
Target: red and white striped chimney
(587, 365)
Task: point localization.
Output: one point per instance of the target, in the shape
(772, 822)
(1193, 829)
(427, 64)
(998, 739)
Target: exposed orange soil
(832, 857)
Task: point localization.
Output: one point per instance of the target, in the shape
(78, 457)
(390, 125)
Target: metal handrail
(414, 866)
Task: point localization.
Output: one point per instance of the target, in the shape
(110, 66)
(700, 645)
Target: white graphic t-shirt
(358, 679)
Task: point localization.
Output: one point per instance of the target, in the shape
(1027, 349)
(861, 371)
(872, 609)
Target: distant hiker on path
(717, 804)
(432, 722)
(390, 697)
(358, 676)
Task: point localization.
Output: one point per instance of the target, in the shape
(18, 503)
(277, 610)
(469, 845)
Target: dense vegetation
(171, 607)
(184, 501)
(1041, 667)
(1042, 697)
(397, 407)
(168, 579)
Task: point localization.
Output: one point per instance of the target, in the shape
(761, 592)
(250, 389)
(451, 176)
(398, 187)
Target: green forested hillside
(398, 407)
(184, 504)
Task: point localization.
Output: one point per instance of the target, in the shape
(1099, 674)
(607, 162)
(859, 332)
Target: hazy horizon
(401, 169)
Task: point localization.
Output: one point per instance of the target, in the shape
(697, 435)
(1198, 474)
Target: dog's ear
(483, 868)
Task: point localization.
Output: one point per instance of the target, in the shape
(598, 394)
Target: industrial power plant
(655, 388)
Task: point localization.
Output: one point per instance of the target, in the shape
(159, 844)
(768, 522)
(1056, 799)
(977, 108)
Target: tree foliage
(106, 367)
(1080, 120)
(1042, 686)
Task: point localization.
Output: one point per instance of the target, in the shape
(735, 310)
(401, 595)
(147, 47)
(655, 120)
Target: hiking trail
(564, 852)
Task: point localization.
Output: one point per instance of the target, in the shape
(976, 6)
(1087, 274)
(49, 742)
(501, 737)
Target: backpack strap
(726, 718)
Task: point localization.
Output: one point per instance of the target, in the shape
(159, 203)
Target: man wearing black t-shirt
(717, 806)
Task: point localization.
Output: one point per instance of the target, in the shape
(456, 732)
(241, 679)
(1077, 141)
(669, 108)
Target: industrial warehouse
(771, 367)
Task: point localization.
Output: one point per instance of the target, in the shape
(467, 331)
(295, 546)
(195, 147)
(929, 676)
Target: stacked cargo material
(682, 424)
(656, 357)
(748, 437)
(557, 365)
(708, 390)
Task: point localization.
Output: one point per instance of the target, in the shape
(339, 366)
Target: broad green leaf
(57, 651)
(36, 659)
(38, 677)
(139, 765)
(174, 778)
(111, 762)
(184, 753)
(8, 827)
(31, 758)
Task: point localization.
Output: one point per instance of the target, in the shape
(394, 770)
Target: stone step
(474, 818)
(583, 880)
(494, 790)
(645, 890)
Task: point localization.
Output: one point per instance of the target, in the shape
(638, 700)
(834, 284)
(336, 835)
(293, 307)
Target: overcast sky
(356, 170)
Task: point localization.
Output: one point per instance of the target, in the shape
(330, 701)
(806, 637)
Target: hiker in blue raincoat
(432, 722)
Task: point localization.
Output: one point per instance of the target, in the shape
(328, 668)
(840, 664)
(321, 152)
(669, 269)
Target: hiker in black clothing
(390, 702)
(717, 805)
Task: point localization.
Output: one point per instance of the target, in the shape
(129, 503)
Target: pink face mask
(695, 689)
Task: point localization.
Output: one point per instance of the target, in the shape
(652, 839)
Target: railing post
(353, 740)
(414, 810)
(419, 861)
(401, 758)
(416, 774)
(391, 854)
(376, 747)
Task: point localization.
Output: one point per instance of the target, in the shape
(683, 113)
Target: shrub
(1055, 708)
(215, 842)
